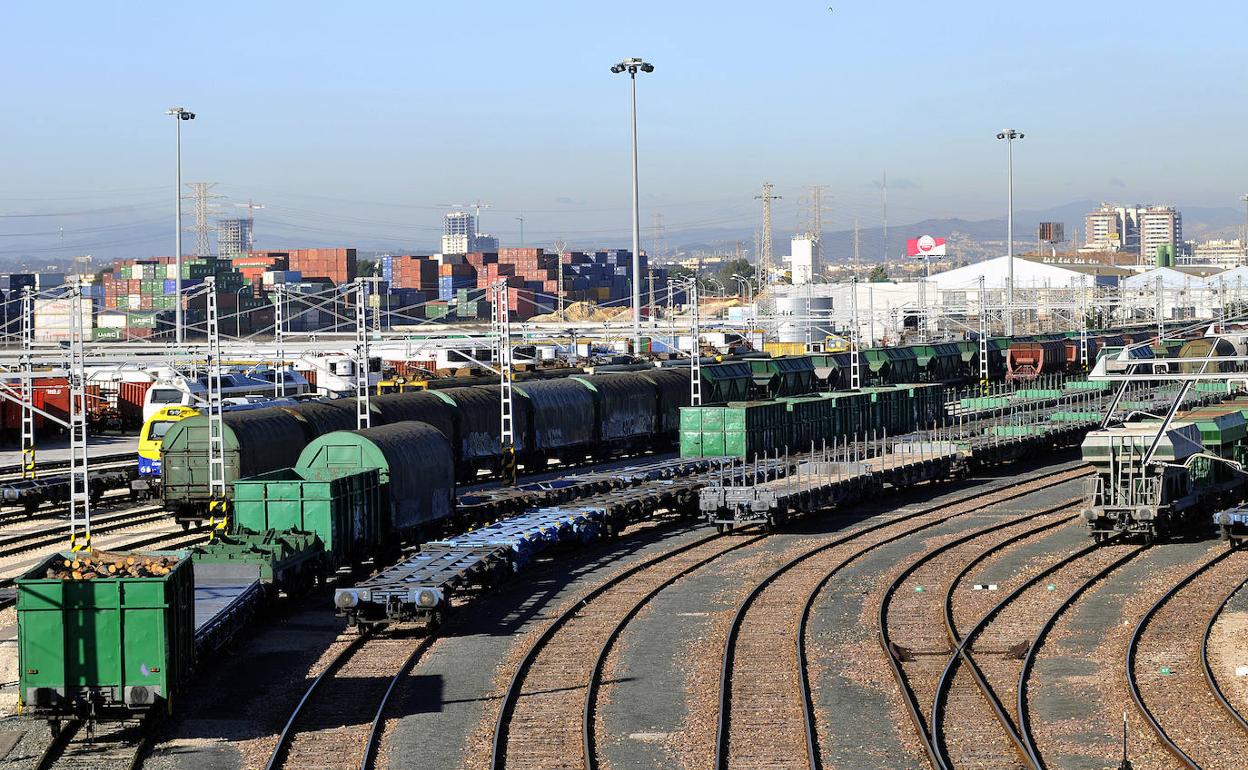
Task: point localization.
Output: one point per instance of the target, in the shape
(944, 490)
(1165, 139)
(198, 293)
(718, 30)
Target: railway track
(1167, 668)
(13, 472)
(97, 746)
(1001, 634)
(544, 702)
(338, 721)
(1211, 676)
(777, 721)
(910, 630)
(11, 545)
(1120, 557)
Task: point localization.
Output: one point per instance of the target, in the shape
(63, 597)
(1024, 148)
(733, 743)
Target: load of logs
(98, 565)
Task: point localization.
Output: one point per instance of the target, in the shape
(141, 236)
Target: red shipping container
(130, 397)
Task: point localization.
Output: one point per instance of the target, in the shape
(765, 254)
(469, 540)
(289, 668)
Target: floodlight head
(187, 116)
(617, 68)
(647, 67)
(1000, 134)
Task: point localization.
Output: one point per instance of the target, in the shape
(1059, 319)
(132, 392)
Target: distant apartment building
(460, 236)
(1219, 253)
(1133, 229)
(1160, 226)
(234, 236)
(1112, 228)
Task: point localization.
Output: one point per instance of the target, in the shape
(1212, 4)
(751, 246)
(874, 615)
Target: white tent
(1027, 275)
(1170, 279)
(1236, 277)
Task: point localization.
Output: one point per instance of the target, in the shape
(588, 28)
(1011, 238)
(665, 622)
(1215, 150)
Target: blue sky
(366, 116)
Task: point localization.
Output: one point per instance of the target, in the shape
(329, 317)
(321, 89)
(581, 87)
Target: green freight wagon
(729, 381)
(940, 362)
(782, 376)
(288, 561)
(120, 643)
(341, 506)
(890, 365)
(414, 464)
(255, 441)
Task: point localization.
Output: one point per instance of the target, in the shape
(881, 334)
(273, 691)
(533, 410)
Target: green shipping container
(106, 334)
(341, 506)
(119, 642)
(141, 320)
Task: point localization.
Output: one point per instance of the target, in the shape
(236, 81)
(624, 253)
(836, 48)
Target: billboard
(1052, 232)
(925, 246)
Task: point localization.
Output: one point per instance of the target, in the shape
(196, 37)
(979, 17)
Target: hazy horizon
(345, 120)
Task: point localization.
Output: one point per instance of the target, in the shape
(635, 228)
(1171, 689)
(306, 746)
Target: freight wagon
(352, 496)
(1194, 471)
(255, 441)
(121, 646)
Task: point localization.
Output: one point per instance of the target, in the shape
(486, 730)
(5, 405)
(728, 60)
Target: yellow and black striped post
(218, 518)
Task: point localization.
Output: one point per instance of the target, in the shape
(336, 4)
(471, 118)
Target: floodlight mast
(632, 66)
(179, 114)
(1009, 135)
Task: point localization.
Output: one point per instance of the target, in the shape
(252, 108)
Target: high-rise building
(1112, 228)
(1160, 226)
(1135, 229)
(234, 236)
(460, 236)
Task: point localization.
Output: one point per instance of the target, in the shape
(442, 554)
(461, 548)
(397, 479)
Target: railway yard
(898, 575)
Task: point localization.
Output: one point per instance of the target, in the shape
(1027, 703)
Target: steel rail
(288, 731)
(962, 644)
(1133, 684)
(595, 677)
(374, 730)
(912, 704)
(498, 753)
(1210, 677)
(812, 749)
(12, 545)
(1029, 661)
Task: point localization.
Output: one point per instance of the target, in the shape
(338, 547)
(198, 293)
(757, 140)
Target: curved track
(536, 724)
(1034, 755)
(1211, 676)
(1166, 684)
(915, 678)
(782, 720)
(337, 723)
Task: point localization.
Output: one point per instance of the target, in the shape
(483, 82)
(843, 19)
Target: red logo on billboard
(925, 246)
